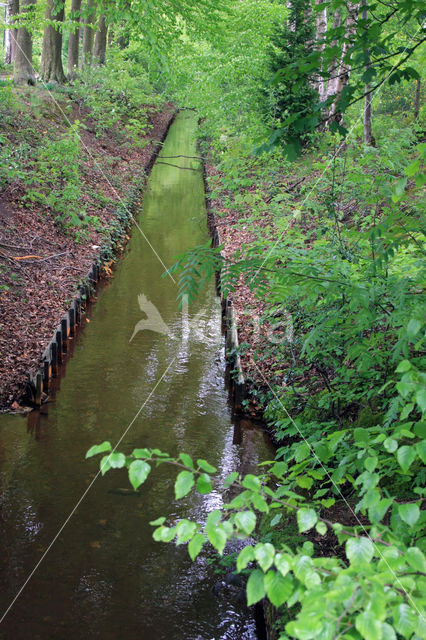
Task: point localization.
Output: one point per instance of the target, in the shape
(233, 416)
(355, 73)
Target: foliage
(291, 42)
(374, 589)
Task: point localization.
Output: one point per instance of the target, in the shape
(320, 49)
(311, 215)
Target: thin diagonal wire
(84, 494)
(103, 174)
(313, 453)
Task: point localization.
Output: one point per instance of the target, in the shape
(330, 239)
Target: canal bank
(139, 355)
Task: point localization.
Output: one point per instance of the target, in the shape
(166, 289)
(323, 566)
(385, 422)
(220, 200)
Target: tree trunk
(23, 70)
(368, 135)
(11, 34)
(88, 34)
(74, 40)
(344, 70)
(321, 29)
(331, 83)
(417, 99)
(51, 69)
(101, 40)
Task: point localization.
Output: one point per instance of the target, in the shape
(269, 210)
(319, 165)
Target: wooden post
(54, 358)
(38, 386)
(59, 345)
(77, 305)
(46, 375)
(71, 320)
(64, 331)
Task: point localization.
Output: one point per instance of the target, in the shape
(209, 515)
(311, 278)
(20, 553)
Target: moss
(368, 418)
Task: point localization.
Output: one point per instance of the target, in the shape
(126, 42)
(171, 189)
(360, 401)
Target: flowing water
(104, 576)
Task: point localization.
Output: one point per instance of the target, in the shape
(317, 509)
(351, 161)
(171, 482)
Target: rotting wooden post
(59, 345)
(77, 305)
(71, 320)
(54, 358)
(46, 375)
(64, 331)
(38, 388)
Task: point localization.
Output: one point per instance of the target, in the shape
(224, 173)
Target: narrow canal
(104, 576)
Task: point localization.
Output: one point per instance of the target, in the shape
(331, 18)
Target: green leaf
(306, 519)
(98, 448)
(255, 587)
(370, 463)
(282, 563)
(305, 482)
(368, 626)
(421, 450)
(259, 503)
(302, 451)
(203, 484)
(405, 456)
(164, 534)
(195, 545)
(251, 482)
(264, 554)
(361, 437)
(278, 588)
(141, 453)
(217, 537)
(104, 465)
(359, 550)
(388, 632)
(185, 530)
(390, 445)
(158, 522)
(138, 473)
(184, 483)
(230, 479)
(410, 513)
(404, 365)
(205, 466)
(413, 327)
(404, 620)
(187, 460)
(117, 460)
(321, 527)
(245, 556)
(416, 559)
(245, 521)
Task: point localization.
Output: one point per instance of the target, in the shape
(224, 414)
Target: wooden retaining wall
(55, 353)
(238, 387)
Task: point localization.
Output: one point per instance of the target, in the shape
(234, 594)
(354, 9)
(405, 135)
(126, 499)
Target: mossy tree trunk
(74, 40)
(101, 40)
(51, 69)
(23, 70)
(88, 33)
(11, 34)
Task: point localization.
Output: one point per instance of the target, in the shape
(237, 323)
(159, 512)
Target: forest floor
(237, 231)
(41, 264)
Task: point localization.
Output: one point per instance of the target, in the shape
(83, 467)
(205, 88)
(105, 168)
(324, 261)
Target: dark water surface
(104, 576)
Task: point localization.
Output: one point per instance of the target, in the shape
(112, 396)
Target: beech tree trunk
(321, 29)
(368, 134)
(344, 70)
(101, 40)
(331, 83)
(11, 34)
(51, 69)
(23, 70)
(74, 40)
(88, 34)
